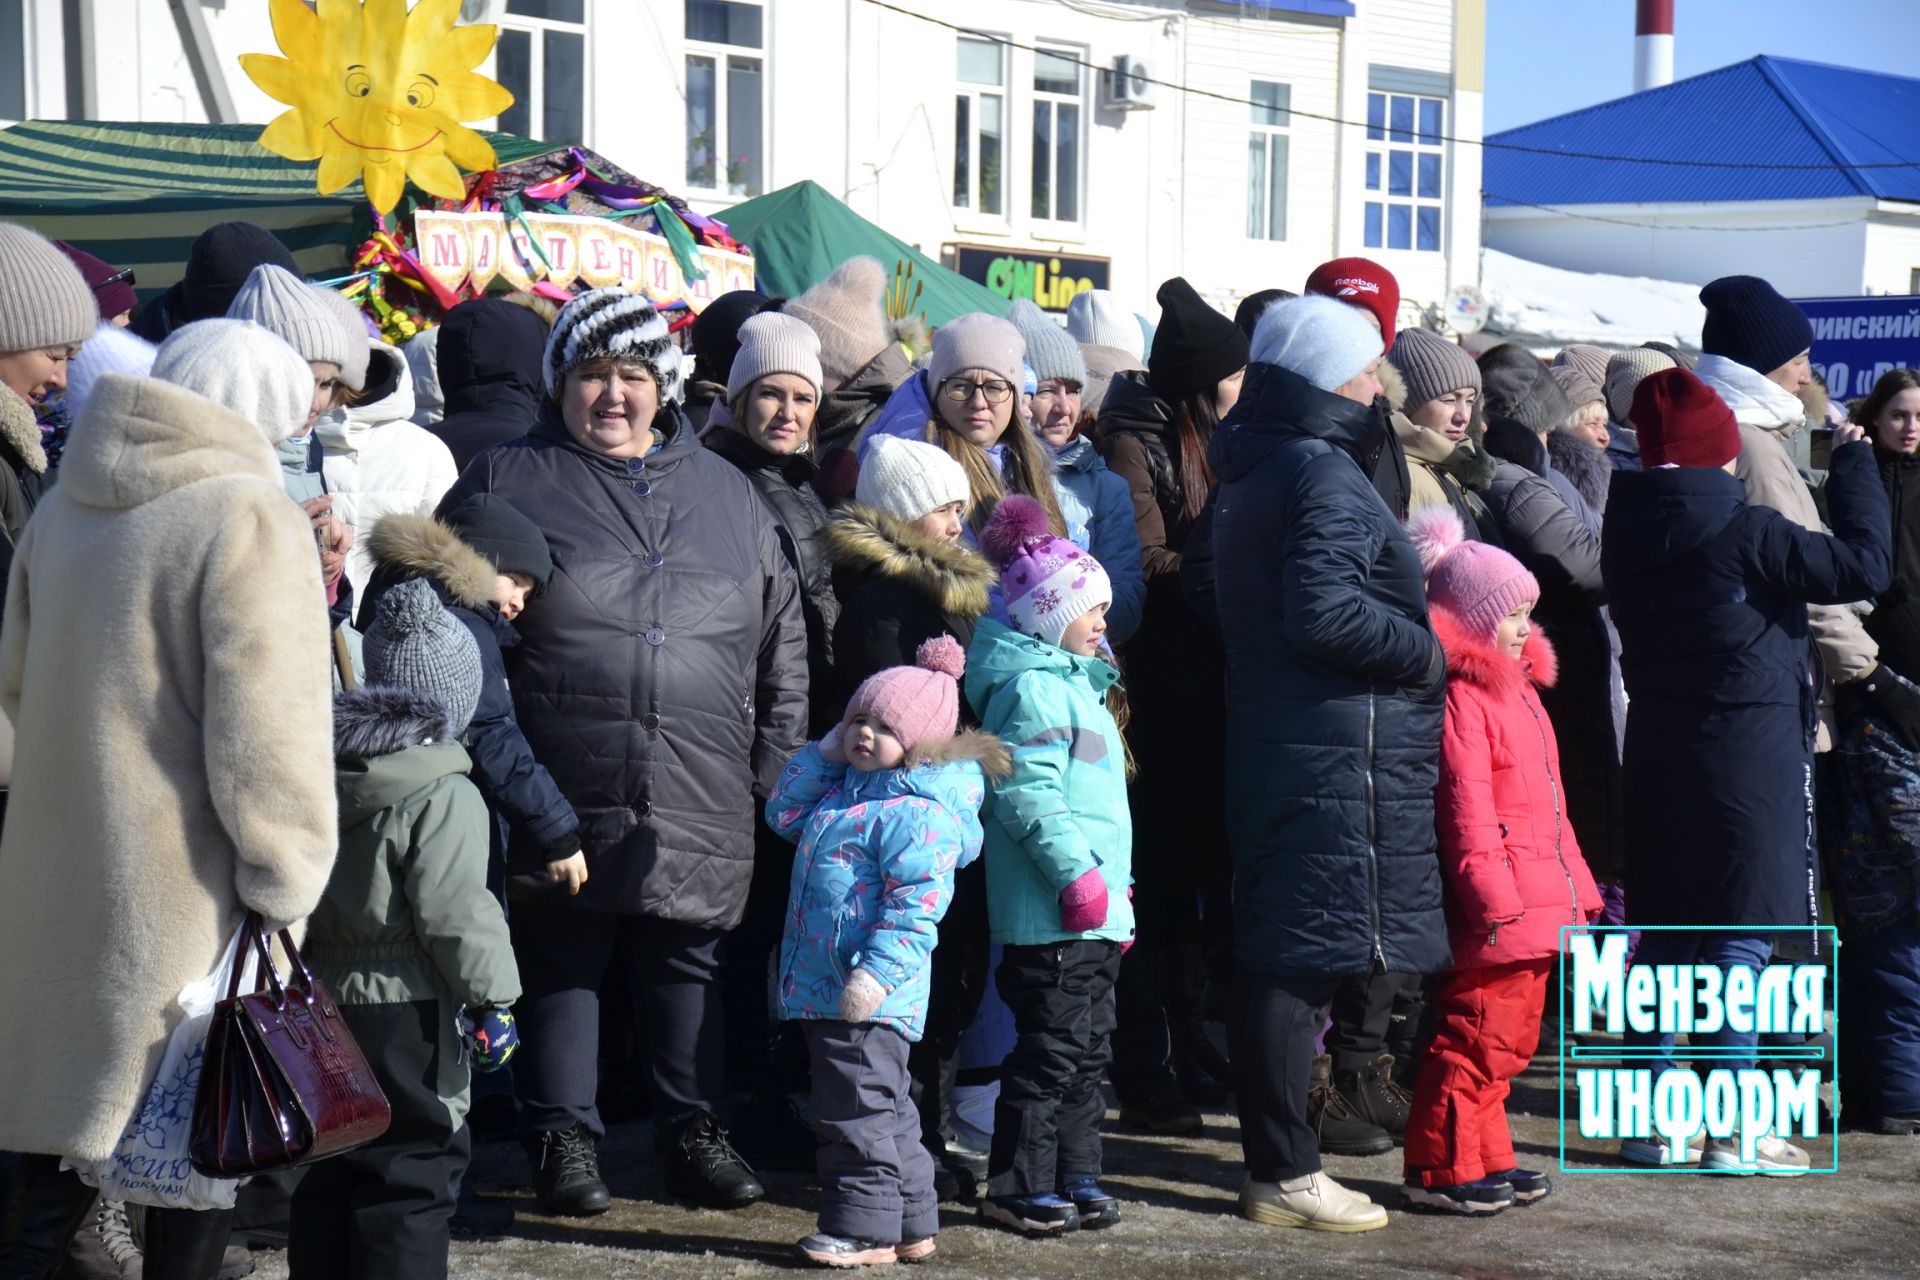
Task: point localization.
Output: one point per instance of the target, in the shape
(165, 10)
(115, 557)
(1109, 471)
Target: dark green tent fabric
(799, 234)
(137, 195)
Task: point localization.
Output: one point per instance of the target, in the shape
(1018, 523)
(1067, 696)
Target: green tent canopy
(137, 195)
(799, 234)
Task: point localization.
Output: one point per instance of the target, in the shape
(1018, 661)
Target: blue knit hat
(1749, 323)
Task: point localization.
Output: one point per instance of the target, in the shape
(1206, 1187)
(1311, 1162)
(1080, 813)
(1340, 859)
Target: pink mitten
(1083, 904)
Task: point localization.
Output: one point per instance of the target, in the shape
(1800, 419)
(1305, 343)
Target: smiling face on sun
(379, 93)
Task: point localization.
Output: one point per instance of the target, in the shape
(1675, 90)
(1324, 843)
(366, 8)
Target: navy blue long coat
(1710, 598)
(1336, 694)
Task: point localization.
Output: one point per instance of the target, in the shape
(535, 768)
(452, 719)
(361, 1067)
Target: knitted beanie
(301, 315)
(1514, 384)
(111, 349)
(1051, 350)
(497, 530)
(976, 341)
(845, 310)
(1364, 283)
(1254, 305)
(1431, 366)
(613, 324)
(219, 263)
(1099, 317)
(1326, 342)
(416, 644)
(1194, 347)
(1102, 364)
(1585, 357)
(909, 478)
(917, 704)
(242, 366)
(1625, 371)
(773, 342)
(44, 300)
(1476, 582)
(1750, 323)
(353, 321)
(1048, 582)
(1579, 389)
(1682, 422)
(716, 332)
(113, 299)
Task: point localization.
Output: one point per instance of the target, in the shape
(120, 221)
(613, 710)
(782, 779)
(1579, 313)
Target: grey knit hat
(416, 644)
(1625, 372)
(1431, 366)
(311, 320)
(613, 324)
(44, 300)
(1581, 390)
(845, 310)
(1051, 350)
(1585, 357)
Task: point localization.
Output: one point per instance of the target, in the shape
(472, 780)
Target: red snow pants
(1486, 1027)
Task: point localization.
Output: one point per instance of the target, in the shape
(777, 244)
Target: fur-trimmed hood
(1393, 387)
(862, 539)
(375, 721)
(20, 432)
(420, 546)
(1476, 661)
(1581, 463)
(976, 745)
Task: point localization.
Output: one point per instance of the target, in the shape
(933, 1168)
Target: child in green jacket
(1059, 855)
(411, 944)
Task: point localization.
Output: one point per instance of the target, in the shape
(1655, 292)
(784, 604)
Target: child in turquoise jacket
(1059, 851)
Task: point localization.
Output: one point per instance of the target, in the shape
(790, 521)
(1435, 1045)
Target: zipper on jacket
(1813, 871)
(1553, 784)
(1373, 848)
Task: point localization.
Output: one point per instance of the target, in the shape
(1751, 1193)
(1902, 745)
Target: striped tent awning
(137, 195)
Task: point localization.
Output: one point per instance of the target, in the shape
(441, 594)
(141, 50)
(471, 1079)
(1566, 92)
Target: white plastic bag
(150, 1166)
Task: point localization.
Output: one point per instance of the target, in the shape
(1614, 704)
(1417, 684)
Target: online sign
(1614, 1094)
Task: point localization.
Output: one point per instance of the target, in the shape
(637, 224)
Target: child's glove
(1083, 904)
(861, 998)
(492, 1037)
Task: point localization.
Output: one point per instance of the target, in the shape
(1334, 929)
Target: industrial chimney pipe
(1652, 44)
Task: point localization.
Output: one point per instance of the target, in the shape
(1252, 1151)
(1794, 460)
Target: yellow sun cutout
(379, 93)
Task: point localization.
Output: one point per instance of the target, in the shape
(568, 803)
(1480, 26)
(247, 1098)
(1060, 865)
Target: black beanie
(1194, 346)
(1254, 305)
(716, 331)
(220, 262)
(493, 527)
(1750, 323)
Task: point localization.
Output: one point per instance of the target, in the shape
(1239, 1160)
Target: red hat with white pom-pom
(918, 703)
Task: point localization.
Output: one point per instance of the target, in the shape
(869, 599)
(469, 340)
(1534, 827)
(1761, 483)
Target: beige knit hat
(1626, 370)
(774, 343)
(844, 309)
(44, 300)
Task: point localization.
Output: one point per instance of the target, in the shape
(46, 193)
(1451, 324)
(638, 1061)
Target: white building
(989, 124)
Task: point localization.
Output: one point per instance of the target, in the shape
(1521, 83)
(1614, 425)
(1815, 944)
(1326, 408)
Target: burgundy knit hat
(109, 283)
(1363, 283)
(1476, 582)
(916, 703)
(1682, 422)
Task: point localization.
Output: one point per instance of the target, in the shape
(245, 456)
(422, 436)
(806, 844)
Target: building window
(979, 126)
(542, 59)
(726, 96)
(1057, 147)
(1406, 171)
(1267, 162)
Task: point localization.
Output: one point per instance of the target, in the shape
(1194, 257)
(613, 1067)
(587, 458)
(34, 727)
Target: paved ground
(1180, 1221)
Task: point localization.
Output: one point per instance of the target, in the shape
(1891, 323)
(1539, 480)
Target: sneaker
(703, 1166)
(104, 1248)
(1314, 1202)
(236, 1263)
(1162, 1110)
(1485, 1197)
(1032, 1215)
(1529, 1187)
(1343, 1130)
(1654, 1151)
(1376, 1096)
(847, 1251)
(566, 1173)
(1095, 1207)
(914, 1250)
(1772, 1157)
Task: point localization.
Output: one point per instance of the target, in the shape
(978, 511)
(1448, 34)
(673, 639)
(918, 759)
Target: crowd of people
(745, 704)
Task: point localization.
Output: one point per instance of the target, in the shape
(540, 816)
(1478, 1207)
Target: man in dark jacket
(489, 374)
(1333, 732)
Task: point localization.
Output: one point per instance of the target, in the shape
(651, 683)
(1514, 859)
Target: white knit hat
(44, 300)
(311, 320)
(613, 324)
(774, 343)
(1099, 317)
(111, 349)
(1326, 342)
(910, 479)
(240, 365)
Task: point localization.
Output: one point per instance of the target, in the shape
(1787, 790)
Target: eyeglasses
(960, 392)
(118, 277)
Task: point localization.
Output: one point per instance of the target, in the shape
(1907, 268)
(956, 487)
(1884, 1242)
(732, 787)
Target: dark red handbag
(283, 1082)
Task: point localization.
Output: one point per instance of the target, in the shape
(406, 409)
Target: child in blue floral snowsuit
(883, 809)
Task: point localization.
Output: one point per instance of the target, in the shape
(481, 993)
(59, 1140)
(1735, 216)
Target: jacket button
(644, 809)
(641, 488)
(656, 635)
(650, 722)
(636, 464)
(655, 559)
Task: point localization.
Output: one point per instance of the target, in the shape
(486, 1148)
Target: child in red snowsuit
(1513, 872)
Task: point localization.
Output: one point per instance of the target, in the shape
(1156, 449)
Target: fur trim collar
(20, 432)
(981, 747)
(1582, 464)
(373, 722)
(869, 541)
(1393, 387)
(1475, 660)
(420, 546)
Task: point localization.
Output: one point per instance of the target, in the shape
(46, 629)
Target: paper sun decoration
(379, 93)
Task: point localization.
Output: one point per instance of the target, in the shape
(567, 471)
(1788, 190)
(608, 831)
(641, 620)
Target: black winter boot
(1376, 1096)
(566, 1173)
(1343, 1130)
(703, 1166)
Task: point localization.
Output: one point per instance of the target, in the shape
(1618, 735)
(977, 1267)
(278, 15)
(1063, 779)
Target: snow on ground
(1548, 306)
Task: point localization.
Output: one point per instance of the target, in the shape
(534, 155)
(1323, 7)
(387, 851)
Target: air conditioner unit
(1128, 86)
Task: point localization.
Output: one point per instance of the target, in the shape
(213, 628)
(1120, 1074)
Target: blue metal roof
(1765, 111)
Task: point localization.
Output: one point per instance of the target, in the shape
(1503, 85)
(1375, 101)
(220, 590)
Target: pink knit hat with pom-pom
(1474, 581)
(917, 703)
(1048, 582)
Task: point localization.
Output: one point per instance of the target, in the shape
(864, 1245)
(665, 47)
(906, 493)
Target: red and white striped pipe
(1652, 44)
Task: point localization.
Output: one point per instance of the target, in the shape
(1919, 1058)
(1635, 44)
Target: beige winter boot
(1315, 1202)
